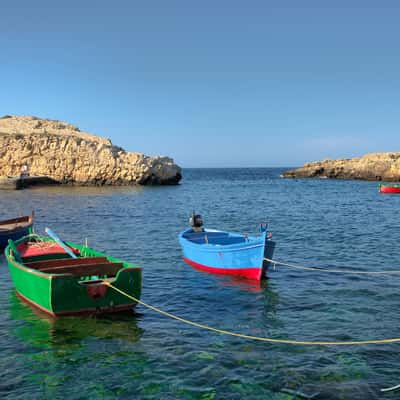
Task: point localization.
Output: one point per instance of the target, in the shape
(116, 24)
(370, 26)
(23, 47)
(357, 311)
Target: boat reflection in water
(41, 330)
(247, 285)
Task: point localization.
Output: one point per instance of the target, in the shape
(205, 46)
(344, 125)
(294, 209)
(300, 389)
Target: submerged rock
(374, 166)
(62, 152)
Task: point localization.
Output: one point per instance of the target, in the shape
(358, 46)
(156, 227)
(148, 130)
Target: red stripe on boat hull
(389, 189)
(248, 273)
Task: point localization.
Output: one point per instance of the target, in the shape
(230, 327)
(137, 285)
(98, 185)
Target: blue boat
(226, 253)
(15, 229)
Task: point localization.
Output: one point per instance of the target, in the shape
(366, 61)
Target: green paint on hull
(396, 185)
(59, 294)
(36, 287)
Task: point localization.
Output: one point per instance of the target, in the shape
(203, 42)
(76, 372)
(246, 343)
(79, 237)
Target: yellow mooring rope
(243, 336)
(334, 271)
(390, 389)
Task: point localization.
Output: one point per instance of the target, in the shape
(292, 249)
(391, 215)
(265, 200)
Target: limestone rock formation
(62, 152)
(374, 166)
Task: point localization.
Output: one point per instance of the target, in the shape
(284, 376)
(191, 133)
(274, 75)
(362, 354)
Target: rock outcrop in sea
(374, 166)
(62, 152)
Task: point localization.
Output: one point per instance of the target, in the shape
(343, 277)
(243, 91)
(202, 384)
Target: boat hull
(243, 259)
(15, 229)
(60, 294)
(248, 273)
(13, 235)
(389, 188)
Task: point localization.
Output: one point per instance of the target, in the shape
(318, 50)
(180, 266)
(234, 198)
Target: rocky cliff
(62, 152)
(375, 166)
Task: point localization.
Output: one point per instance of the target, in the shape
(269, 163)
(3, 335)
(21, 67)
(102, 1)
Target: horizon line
(238, 167)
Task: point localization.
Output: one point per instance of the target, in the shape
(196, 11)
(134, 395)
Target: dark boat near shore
(15, 229)
(46, 276)
(25, 181)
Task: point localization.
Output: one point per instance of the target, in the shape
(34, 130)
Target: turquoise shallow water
(315, 222)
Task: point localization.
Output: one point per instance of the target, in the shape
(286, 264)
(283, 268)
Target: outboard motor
(196, 222)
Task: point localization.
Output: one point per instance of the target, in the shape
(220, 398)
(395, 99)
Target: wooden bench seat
(99, 269)
(66, 262)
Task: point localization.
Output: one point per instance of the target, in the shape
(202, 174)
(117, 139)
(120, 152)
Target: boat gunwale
(51, 276)
(4, 231)
(21, 223)
(254, 242)
(33, 271)
(23, 219)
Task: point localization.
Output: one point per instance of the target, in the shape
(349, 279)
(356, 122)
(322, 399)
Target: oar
(59, 242)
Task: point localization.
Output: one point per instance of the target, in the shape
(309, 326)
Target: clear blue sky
(210, 83)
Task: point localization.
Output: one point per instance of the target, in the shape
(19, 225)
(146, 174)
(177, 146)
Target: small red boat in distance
(389, 188)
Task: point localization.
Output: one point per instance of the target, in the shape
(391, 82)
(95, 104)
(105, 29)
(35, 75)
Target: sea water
(326, 223)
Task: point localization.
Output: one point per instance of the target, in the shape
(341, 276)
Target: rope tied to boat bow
(332, 271)
(251, 337)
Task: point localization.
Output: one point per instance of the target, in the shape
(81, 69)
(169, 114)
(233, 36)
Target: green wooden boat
(47, 277)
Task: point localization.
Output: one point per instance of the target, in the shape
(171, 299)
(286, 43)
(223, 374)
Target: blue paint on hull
(227, 252)
(13, 235)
